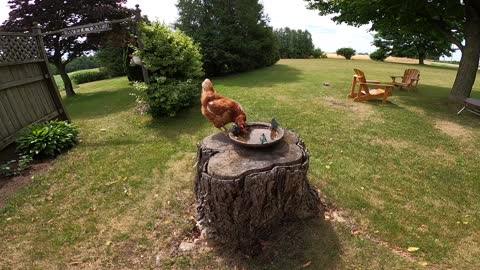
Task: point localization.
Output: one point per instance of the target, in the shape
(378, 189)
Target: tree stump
(242, 194)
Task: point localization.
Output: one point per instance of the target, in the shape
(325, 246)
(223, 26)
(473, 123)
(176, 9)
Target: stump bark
(242, 194)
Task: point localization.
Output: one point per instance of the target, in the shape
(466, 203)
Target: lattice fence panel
(19, 48)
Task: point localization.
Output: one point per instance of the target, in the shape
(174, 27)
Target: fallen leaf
(110, 183)
(355, 232)
(307, 264)
(423, 263)
(108, 243)
(465, 222)
(412, 249)
(327, 166)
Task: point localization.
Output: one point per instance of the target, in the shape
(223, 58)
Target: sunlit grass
(405, 173)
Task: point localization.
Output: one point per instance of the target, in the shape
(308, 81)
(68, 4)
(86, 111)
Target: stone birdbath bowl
(260, 135)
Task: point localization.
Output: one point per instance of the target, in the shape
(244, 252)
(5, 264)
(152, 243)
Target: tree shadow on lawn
(309, 243)
(188, 121)
(264, 77)
(434, 102)
(99, 104)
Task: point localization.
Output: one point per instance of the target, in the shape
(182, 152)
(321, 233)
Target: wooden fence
(28, 93)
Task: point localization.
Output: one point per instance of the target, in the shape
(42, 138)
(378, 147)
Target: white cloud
(3, 10)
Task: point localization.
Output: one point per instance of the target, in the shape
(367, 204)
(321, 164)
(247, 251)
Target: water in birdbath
(258, 135)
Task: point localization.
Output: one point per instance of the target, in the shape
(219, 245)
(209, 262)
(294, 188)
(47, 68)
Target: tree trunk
(421, 59)
(242, 194)
(66, 80)
(467, 71)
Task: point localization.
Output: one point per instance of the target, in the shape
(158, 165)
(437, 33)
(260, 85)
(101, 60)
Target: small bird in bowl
(220, 110)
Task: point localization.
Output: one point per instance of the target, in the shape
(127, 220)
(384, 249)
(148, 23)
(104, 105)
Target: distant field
(391, 59)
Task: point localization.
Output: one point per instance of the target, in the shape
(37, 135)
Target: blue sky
(326, 34)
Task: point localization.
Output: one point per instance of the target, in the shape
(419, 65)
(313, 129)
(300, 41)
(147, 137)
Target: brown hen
(220, 110)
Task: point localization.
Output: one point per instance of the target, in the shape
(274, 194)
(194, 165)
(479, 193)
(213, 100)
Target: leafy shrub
(166, 97)
(88, 76)
(169, 53)
(346, 52)
(318, 53)
(15, 166)
(174, 63)
(47, 139)
(378, 55)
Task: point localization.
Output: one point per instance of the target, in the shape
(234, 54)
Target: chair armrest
(396, 77)
(368, 81)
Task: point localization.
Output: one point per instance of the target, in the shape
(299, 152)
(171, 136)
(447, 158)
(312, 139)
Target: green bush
(378, 55)
(318, 53)
(88, 76)
(47, 139)
(166, 97)
(169, 53)
(346, 52)
(174, 63)
(15, 166)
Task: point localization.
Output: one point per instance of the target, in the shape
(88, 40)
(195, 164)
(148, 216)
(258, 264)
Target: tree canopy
(348, 53)
(419, 45)
(294, 43)
(234, 36)
(54, 15)
(456, 21)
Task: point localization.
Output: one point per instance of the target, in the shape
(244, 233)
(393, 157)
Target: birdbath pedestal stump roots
(242, 194)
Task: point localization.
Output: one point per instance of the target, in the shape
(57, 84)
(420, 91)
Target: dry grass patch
(394, 143)
(452, 129)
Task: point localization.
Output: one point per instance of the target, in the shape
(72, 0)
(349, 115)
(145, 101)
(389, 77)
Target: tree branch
(442, 27)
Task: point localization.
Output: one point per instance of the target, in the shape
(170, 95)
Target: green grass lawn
(401, 175)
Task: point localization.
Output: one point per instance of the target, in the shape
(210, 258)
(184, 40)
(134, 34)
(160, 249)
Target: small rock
(338, 218)
(186, 246)
(326, 84)
(103, 130)
(158, 260)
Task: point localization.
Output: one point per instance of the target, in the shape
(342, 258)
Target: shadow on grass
(265, 77)
(309, 243)
(434, 102)
(187, 121)
(99, 104)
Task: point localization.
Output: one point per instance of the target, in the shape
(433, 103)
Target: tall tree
(419, 45)
(457, 20)
(234, 36)
(294, 43)
(54, 15)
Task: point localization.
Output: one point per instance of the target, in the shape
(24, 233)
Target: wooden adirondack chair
(381, 91)
(409, 78)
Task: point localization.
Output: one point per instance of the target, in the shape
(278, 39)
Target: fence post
(52, 85)
(138, 19)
